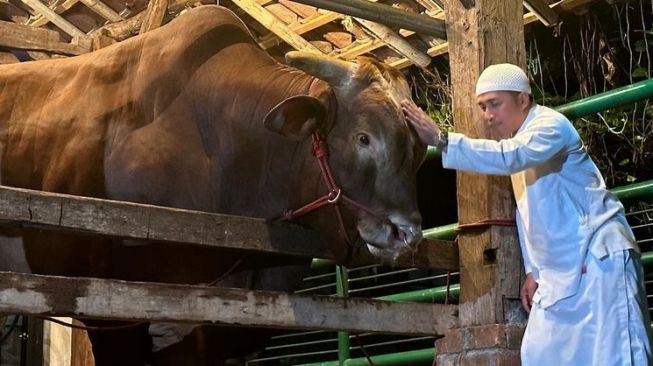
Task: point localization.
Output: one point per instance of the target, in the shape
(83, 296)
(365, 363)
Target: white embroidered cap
(502, 77)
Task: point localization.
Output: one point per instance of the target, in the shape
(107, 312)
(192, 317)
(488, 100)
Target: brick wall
(487, 345)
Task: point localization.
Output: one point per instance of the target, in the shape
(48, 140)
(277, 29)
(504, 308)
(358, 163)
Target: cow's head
(374, 154)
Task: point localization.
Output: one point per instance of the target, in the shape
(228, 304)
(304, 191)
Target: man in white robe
(584, 285)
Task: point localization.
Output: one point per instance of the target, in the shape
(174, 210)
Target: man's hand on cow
(427, 130)
(527, 291)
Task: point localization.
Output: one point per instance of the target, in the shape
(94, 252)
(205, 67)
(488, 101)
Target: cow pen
(484, 323)
(122, 300)
(33, 294)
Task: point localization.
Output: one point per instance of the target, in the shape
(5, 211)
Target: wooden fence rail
(60, 212)
(120, 300)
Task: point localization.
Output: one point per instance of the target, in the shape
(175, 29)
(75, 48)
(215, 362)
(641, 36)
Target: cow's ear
(296, 117)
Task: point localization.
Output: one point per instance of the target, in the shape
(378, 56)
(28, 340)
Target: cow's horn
(335, 72)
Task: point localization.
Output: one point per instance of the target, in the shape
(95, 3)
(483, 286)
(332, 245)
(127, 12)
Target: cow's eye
(364, 139)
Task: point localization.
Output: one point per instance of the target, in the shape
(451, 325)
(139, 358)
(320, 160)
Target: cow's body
(175, 117)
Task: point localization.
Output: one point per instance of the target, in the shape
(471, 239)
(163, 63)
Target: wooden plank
(431, 253)
(39, 20)
(542, 11)
(60, 212)
(102, 10)
(397, 43)
(20, 36)
(156, 10)
(272, 40)
(275, 26)
(53, 17)
(121, 300)
(490, 262)
(85, 215)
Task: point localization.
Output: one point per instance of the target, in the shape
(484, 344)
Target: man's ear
(296, 117)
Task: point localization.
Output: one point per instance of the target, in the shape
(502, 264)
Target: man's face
(505, 111)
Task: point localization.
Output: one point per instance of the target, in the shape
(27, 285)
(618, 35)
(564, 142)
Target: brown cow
(182, 116)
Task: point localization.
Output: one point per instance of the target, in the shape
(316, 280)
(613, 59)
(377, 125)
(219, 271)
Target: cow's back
(59, 117)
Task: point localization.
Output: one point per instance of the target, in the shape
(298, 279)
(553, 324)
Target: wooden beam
(102, 10)
(156, 10)
(53, 17)
(120, 31)
(431, 253)
(397, 43)
(39, 20)
(490, 262)
(120, 300)
(432, 52)
(275, 26)
(383, 14)
(60, 212)
(144, 222)
(542, 11)
(24, 37)
(443, 48)
(272, 40)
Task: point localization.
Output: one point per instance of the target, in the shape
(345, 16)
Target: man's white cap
(502, 77)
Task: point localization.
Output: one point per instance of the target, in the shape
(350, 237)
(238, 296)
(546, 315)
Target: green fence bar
(446, 232)
(610, 99)
(642, 190)
(342, 290)
(413, 358)
(436, 294)
(647, 261)
(635, 191)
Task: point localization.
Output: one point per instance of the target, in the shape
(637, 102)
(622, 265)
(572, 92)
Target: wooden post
(481, 33)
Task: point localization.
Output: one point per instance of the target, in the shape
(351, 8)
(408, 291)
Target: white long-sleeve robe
(564, 212)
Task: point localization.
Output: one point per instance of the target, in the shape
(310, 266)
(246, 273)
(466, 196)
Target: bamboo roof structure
(41, 29)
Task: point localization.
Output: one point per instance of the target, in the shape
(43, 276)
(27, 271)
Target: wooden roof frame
(378, 37)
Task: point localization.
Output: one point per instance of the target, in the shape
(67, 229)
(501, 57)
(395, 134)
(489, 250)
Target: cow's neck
(260, 173)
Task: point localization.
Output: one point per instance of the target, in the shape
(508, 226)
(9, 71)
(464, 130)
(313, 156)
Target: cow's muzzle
(388, 240)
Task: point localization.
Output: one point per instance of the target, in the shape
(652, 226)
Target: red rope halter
(334, 195)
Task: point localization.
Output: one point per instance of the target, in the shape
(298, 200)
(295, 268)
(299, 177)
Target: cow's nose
(411, 235)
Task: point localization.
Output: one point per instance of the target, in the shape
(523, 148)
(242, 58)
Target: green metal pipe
(446, 232)
(342, 290)
(610, 99)
(647, 261)
(432, 152)
(436, 294)
(320, 263)
(641, 190)
(413, 358)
